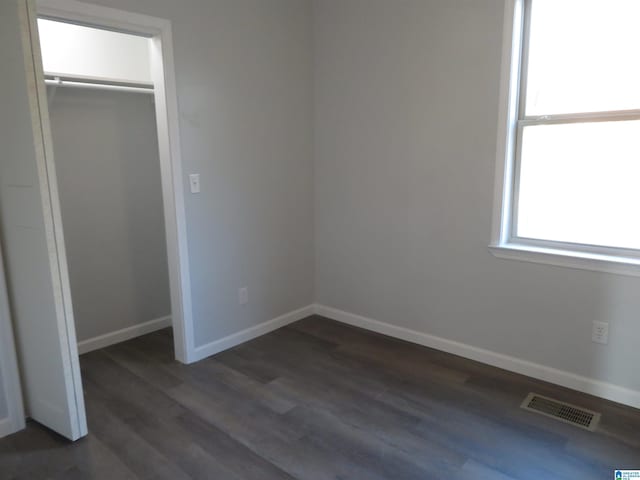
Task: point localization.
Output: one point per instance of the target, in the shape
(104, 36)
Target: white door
(31, 230)
(11, 404)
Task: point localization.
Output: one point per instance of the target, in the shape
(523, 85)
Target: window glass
(584, 56)
(580, 183)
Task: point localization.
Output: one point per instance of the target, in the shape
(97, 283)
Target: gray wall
(406, 118)
(106, 153)
(244, 80)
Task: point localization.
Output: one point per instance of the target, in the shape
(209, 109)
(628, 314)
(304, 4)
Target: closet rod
(59, 82)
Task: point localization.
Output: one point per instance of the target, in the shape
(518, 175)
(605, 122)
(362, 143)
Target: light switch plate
(194, 182)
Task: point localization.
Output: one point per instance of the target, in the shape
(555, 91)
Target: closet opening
(100, 97)
(115, 180)
(93, 208)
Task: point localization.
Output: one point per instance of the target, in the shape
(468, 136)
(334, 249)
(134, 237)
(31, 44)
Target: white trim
(237, 338)
(586, 117)
(166, 100)
(568, 258)
(504, 244)
(507, 119)
(9, 365)
(102, 341)
(88, 14)
(7, 427)
(163, 75)
(563, 378)
(53, 226)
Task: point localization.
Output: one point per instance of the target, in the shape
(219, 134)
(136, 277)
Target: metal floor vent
(562, 411)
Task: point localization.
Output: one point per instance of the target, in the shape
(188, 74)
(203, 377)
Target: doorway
(105, 144)
(147, 72)
(49, 356)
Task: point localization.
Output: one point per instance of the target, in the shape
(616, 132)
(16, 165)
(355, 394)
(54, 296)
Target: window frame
(512, 121)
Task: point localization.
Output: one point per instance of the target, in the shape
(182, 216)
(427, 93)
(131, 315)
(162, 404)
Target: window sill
(567, 258)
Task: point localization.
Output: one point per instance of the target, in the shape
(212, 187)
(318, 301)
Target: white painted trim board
(102, 341)
(563, 378)
(250, 333)
(10, 384)
(6, 427)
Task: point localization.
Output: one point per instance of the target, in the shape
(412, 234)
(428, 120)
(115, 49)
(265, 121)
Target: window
(570, 146)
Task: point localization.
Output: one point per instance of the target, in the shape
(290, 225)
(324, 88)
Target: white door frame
(9, 365)
(163, 76)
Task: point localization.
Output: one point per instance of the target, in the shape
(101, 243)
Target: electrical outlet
(243, 296)
(600, 332)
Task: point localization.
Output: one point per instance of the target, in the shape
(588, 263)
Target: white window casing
(512, 121)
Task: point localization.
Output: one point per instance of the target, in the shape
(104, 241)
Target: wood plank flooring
(317, 400)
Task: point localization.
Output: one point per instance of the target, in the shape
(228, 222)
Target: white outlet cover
(600, 332)
(243, 296)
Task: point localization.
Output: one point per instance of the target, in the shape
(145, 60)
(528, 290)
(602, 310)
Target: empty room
(319, 239)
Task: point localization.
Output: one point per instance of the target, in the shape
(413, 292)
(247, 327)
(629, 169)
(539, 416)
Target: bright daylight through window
(576, 138)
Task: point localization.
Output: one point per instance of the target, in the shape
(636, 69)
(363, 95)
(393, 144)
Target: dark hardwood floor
(318, 400)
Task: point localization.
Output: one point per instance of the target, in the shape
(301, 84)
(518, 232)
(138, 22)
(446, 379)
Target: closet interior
(104, 135)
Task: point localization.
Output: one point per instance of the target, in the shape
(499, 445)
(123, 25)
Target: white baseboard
(123, 335)
(234, 339)
(5, 427)
(8, 426)
(11, 425)
(563, 378)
